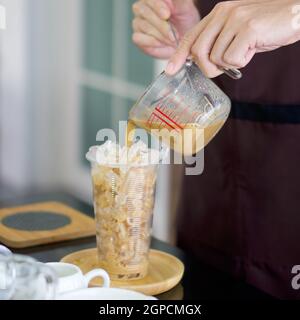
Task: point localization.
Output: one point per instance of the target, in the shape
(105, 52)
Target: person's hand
(151, 30)
(234, 31)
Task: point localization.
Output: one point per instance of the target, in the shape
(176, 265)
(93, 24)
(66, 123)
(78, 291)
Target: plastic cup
(124, 198)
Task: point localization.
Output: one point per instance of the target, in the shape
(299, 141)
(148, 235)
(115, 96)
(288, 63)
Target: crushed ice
(111, 153)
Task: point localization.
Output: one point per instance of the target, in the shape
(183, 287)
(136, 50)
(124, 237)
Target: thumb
(182, 52)
(170, 4)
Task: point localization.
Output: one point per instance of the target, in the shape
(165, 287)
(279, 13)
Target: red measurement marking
(164, 121)
(174, 122)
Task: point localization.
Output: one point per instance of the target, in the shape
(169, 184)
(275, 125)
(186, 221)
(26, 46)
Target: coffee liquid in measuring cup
(188, 141)
(184, 111)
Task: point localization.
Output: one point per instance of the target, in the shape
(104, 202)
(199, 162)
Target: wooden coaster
(41, 223)
(165, 271)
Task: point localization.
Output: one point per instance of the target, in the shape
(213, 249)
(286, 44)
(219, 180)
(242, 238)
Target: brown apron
(242, 214)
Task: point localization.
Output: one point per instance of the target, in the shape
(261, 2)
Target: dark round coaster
(36, 221)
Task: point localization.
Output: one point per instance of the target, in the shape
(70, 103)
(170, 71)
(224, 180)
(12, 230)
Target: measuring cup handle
(233, 73)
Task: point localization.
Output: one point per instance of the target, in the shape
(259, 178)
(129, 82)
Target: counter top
(200, 281)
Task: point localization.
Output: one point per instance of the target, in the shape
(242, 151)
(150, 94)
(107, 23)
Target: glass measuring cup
(187, 101)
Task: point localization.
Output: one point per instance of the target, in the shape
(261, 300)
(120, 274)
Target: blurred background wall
(68, 69)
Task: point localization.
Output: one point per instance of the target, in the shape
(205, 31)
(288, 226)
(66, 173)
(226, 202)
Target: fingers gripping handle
(232, 73)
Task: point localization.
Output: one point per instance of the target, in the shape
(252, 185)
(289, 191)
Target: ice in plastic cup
(123, 203)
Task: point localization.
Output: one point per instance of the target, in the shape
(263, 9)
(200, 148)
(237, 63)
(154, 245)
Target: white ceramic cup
(71, 278)
(104, 294)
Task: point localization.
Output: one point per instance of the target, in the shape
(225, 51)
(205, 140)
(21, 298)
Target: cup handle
(51, 281)
(97, 273)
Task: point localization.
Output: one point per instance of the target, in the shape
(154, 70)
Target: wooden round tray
(165, 271)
